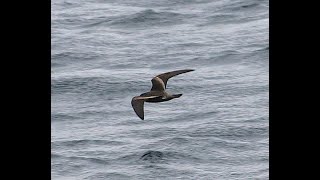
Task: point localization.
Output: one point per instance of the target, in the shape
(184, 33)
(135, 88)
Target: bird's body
(157, 93)
(161, 96)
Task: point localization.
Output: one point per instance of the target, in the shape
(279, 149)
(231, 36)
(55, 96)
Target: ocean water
(104, 52)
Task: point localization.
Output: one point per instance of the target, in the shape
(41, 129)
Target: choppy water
(104, 52)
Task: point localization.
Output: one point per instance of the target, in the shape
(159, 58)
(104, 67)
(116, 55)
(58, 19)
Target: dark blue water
(104, 52)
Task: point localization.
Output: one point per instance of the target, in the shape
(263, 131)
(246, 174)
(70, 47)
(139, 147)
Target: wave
(57, 64)
(232, 18)
(248, 56)
(237, 12)
(96, 86)
(234, 133)
(143, 18)
(111, 175)
(80, 158)
(170, 3)
(241, 5)
(165, 156)
(60, 116)
(152, 156)
(156, 156)
(73, 56)
(86, 142)
(221, 58)
(220, 18)
(264, 49)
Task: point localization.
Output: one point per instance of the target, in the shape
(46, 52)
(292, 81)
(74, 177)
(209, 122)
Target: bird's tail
(176, 95)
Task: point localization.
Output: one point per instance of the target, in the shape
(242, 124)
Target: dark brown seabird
(157, 93)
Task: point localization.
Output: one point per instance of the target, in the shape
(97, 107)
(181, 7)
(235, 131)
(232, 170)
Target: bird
(157, 93)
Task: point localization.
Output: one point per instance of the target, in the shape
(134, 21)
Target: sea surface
(104, 52)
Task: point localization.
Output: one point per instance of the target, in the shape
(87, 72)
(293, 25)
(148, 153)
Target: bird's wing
(137, 104)
(156, 85)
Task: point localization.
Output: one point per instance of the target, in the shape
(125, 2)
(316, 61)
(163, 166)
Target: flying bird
(157, 93)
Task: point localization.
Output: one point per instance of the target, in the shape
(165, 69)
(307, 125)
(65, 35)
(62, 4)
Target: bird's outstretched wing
(156, 81)
(137, 104)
